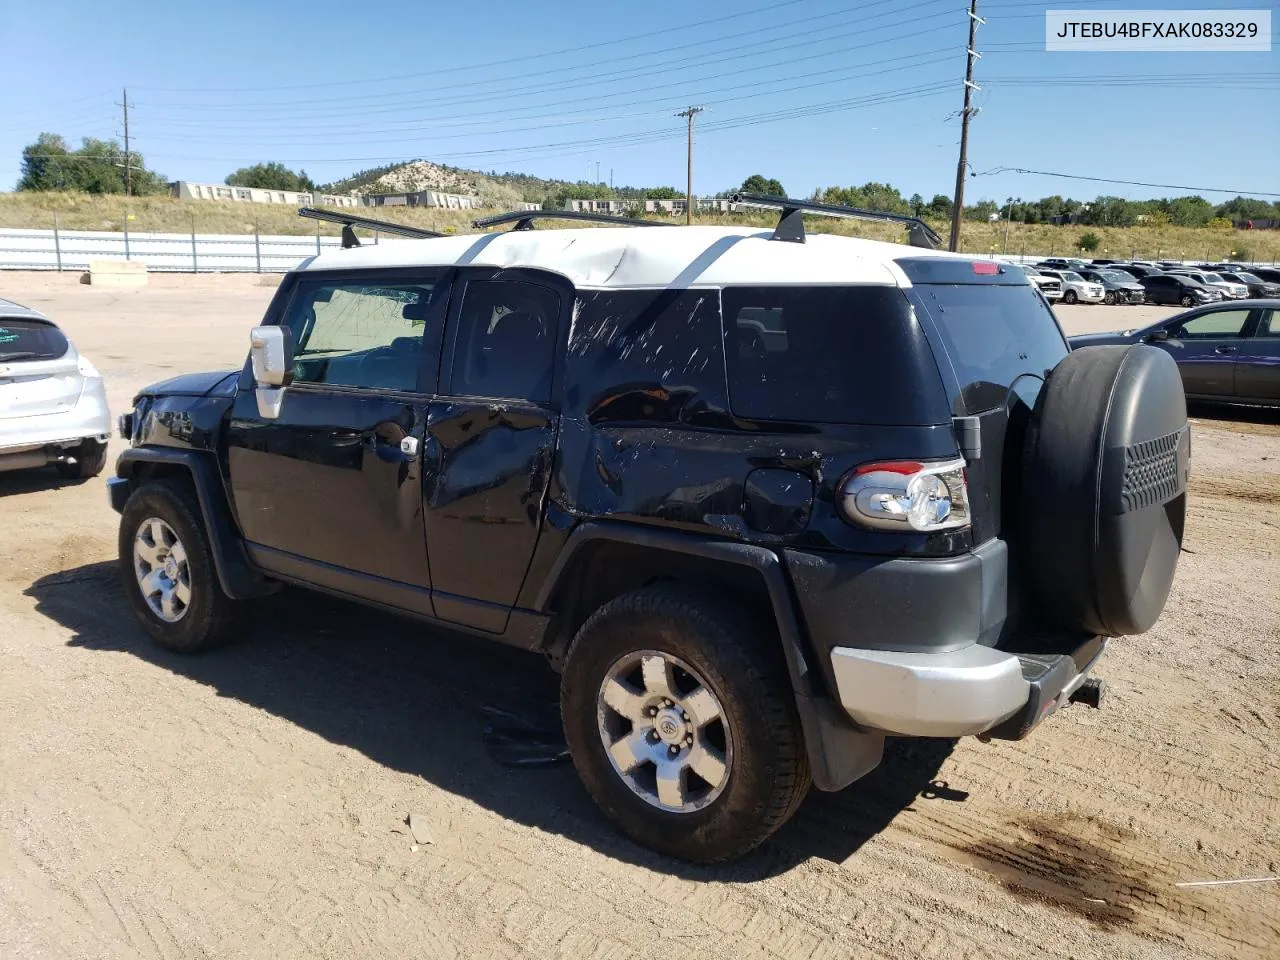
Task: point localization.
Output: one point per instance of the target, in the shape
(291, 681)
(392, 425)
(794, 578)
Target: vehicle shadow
(1226, 413)
(16, 482)
(412, 697)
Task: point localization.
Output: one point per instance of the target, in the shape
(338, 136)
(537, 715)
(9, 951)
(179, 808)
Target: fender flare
(839, 751)
(240, 580)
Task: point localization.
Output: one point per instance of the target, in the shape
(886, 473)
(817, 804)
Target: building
(422, 198)
(621, 208)
(186, 190)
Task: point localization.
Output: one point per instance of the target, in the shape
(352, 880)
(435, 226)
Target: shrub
(1089, 242)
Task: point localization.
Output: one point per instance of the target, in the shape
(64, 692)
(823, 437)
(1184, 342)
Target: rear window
(992, 334)
(30, 340)
(829, 355)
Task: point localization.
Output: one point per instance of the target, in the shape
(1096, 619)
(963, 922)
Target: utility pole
(597, 171)
(128, 164)
(689, 114)
(1008, 215)
(957, 212)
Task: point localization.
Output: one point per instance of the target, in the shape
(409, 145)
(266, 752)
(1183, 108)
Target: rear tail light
(907, 495)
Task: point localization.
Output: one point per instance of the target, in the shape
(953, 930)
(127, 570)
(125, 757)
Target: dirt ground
(252, 802)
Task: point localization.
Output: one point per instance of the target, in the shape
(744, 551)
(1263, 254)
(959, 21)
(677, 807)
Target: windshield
(1115, 276)
(30, 340)
(1072, 276)
(1249, 278)
(1211, 278)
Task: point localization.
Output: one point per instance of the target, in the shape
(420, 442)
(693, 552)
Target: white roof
(630, 257)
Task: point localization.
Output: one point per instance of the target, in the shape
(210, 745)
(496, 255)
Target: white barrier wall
(181, 252)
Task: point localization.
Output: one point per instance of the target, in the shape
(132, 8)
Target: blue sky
(813, 92)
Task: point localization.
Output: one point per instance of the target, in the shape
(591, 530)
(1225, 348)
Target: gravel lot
(252, 802)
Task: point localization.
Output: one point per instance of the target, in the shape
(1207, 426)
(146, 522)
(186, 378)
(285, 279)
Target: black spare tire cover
(1105, 474)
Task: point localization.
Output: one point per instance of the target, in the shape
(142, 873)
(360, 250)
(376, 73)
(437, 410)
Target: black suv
(763, 498)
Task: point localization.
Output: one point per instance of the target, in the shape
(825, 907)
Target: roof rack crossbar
(791, 225)
(523, 219)
(350, 221)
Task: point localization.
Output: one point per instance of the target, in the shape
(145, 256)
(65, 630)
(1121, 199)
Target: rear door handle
(1224, 349)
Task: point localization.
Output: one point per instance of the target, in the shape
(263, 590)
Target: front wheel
(1187, 301)
(166, 566)
(682, 724)
(1109, 299)
(1069, 297)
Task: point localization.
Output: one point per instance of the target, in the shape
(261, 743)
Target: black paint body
(639, 447)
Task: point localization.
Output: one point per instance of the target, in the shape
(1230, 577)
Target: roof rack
(349, 221)
(523, 219)
(791, 225)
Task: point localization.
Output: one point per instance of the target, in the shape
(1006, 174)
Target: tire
(1069, 297)
(695, 639)
(91, 460)
(1109, 299)
(1107, 453)
(198, 617)
(1187, 301)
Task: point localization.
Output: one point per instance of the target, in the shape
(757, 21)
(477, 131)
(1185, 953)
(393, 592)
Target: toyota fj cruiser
(762, 498)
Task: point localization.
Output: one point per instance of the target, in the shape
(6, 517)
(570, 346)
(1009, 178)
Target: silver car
(53, 407)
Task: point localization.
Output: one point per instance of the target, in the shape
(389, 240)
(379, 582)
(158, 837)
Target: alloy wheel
(161, 567)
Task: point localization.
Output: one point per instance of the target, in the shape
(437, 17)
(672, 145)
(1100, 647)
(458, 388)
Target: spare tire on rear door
(1104, 489)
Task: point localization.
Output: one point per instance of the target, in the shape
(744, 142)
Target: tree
(940, 206)
(97, 167)
(1089, 242)
(1246, 208)
(917, 204)
(869, 196)
(270, 176)
(982, 210)
(758, 184)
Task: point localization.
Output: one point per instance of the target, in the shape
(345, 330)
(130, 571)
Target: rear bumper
(924, 647)
(34, 441)
(976, 690)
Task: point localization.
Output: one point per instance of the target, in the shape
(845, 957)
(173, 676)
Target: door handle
(410, 446)
(1224, 349)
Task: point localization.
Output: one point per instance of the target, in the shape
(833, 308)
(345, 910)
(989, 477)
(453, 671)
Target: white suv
(1076, 289)
(53, 407)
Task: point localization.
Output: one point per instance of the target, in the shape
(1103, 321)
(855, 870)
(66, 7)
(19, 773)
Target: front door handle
(410, 446)
(1224, 349)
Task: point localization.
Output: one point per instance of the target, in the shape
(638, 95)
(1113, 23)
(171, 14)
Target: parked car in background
(1269, 274)
(1119, 287)
(1257, 287)
(1169, 264)
(1172, 288)
(1214, 281)
(53, 407)
(1139, 270)
(1225, 352)
(1051, 287)
(1075, 288)
(1103, 262)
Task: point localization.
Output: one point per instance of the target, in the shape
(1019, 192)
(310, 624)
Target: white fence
(180, 252)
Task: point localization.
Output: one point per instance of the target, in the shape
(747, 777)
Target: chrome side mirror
(271, 355)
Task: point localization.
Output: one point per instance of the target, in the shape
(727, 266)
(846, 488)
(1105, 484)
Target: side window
(655, 356)
(1211, 326)
(1270, 324)
(355, 333)
(505, 341)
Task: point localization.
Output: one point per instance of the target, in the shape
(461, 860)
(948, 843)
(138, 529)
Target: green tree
(940, 206)
(270, 176)
(1246, 208)
(758, 184)
(869, 196)
(1089, 242)
(982, 210)
(97, 167)
(916, 202)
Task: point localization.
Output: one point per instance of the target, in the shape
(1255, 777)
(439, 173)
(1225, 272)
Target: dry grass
(167, 215)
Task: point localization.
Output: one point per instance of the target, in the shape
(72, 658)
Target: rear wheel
(1069, 297)
(682, 724)
(89, 460)
(168, 573)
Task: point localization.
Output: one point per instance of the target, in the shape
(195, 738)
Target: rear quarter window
(30, 340)
(992, 334)
(838, 354)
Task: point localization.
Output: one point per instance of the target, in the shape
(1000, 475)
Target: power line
(1127, 183)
